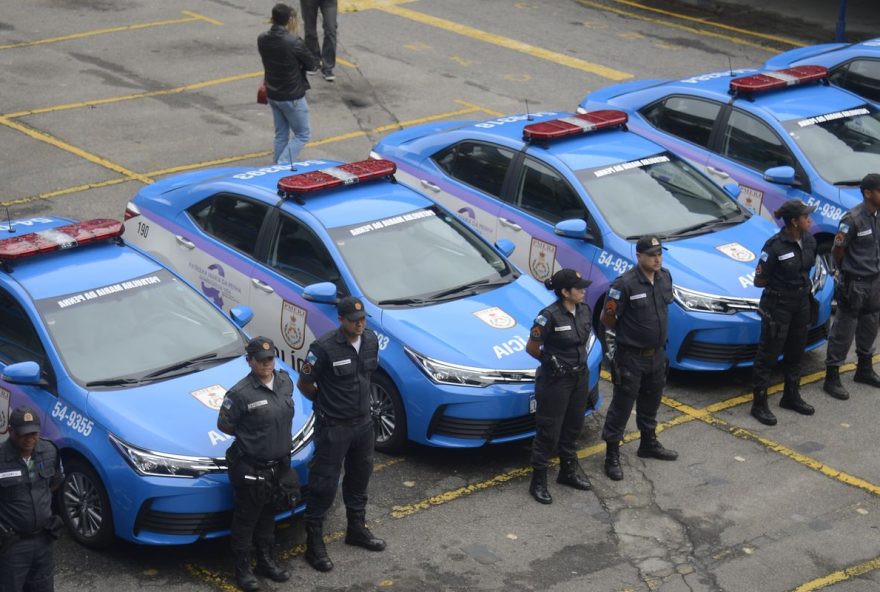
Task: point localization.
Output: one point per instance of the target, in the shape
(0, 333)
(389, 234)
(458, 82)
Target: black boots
(571, 474)
(865, 373)
(832, 384)
(650, 447)
(791, 399)
(244, 578)
(538, 486)
(359, 535)
(760, 410)
(316, 552)
(612, 461)
(266, 566)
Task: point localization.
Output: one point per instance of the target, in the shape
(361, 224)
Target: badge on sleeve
(764, 256)
(536, 333)
(306, 368)
(614, 294)
(541, 320)
(844, 227)
(227, 403)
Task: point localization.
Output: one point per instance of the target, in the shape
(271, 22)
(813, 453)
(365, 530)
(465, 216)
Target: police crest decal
(293, 324)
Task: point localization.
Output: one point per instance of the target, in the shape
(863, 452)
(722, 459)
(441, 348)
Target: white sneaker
(329, 76)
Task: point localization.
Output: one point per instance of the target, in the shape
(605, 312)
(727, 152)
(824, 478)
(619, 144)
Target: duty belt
(262, 464)
(642, 351)
(350, 421)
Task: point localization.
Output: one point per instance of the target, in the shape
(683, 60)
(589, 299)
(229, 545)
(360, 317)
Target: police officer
(30, 470)
(336, 376)
(857, 254)
(636, 310)
(558, 340)
(258, 411)
(786, 308)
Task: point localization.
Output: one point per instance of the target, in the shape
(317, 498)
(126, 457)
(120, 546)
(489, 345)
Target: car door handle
(262, 286)
(510, 224)
(718, 172)
(428, 185)
(184, 243)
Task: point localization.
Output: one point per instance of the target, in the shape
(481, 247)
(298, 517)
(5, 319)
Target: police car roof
(76, 269)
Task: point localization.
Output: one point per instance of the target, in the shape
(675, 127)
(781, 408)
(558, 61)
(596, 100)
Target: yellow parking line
(703, 21)
(66, 191)
(506, 42)
(189, 19)
(839, 576)
(93, 158)
(202, 17)
(665, 23)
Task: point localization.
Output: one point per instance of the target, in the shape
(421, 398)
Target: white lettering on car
(509, 347)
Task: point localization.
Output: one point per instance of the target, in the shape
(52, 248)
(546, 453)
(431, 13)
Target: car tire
(389, 417)
(85, 506)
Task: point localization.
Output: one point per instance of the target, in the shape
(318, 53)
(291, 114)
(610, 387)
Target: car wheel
(389, 418)
(85, 507)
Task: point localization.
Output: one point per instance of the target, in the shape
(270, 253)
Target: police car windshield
(843, 146)
(120, 333)
(659, 195)
(419, 258)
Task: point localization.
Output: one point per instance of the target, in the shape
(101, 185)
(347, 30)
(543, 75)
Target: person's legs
(309, 10)
(329, 11)
(282, 129)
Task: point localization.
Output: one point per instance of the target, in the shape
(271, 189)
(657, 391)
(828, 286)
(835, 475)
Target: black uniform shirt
(25, 504)
(859, 235)
(262, 418)
(342, 373)
(641, 307)
(564, 334)
(786, 264)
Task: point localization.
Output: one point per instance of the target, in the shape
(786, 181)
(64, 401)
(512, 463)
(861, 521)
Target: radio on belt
(778, 79)
(574, 125)
(346, 174)
(62, 237)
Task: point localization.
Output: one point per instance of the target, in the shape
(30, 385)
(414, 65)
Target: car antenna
(730, 65)
(290, 157)
(528, 115)
(9, 225)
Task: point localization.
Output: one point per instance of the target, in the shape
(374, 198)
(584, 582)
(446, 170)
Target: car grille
(734, 354)
(181, 524)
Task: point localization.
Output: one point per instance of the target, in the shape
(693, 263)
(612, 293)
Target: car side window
(233, 219)
(480, 165)
(752, 143)
(689, 119)
(859, 76)
(544, 193)
(19, 341)
(296, 252)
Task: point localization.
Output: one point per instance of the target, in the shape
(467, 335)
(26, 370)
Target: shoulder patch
(844, 227)
(614, 294)
(536, 333)
(541, 320)
(227, 403)
(764, 256)
(311, 358)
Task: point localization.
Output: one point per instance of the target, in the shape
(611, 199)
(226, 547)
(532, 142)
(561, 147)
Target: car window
(860, 76)
(299, 254)
(751, 142)
(232, 219)
(19, 341)
(480, 165)
(689, 119)
(546, 194)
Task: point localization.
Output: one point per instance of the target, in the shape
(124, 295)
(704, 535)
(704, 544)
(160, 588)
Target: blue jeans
(290, 117)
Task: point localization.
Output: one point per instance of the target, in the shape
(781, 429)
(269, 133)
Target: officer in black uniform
(787, 308)
(258, 411)
(637, 309)
(559, 340)
(857, 254)
(30, 470)
(336, 376)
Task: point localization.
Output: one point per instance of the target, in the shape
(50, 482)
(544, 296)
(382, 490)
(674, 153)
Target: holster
(233, 455)
(772, 326)
(54, 527)
(8, 537)
(288, 491)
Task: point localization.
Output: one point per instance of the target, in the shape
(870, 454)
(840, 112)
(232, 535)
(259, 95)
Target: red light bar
(574, 125)
(778, 79)
(346, 174)
(56, 239)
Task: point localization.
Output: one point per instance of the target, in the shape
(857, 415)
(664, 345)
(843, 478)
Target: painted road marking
(191, 17)
(839, 576)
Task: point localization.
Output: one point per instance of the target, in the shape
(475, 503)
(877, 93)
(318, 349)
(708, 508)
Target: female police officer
(784, 272)
(559, 340)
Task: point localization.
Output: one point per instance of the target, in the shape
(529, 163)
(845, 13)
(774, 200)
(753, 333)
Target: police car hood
(486, 330)
(721, 262)
(178, 415)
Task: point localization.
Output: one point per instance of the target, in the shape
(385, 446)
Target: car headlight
(446, 373)
(304, 436)
(820, 275)
(160, 464)
(702, 302)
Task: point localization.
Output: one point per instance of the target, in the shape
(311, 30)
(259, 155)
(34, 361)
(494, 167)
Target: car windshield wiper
(849, 183)
(708, 224)
(114, 381)
(401, 301)
(180, 365)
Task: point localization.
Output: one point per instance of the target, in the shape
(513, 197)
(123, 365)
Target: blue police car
(853, 66)
(578, 191)
(779, 134)
(127, 366)
(452, 314)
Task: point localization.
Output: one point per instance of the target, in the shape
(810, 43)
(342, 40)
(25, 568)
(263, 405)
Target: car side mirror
(505, 246)
(574, 228)
(22, 373)
(732, 189)
(241, 315)
(323, 292)
(781, 175)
